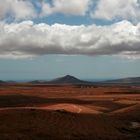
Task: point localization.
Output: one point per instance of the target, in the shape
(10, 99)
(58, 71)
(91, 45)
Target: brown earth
(67, 112)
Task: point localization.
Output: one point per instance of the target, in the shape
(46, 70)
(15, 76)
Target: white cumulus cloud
(67, 7)
(27, 39)
(17, 9)
(112, 9)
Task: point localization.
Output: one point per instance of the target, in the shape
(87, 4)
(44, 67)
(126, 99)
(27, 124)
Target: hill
(125, 80)
(68, 79)
(2, 82)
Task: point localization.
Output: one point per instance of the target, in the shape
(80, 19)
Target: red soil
(40, 112)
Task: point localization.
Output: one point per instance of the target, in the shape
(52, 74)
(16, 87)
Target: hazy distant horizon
(54, 38)
(85, 79)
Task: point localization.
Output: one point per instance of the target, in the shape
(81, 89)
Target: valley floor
(49, 112)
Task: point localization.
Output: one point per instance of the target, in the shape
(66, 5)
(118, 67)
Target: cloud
(112, 9)
(26, 9)
(17, 9)
(27, 39)
(67, 7)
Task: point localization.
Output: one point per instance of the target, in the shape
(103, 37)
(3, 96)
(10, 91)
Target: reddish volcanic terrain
(71, 112)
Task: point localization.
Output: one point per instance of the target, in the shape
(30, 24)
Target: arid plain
(40, 112)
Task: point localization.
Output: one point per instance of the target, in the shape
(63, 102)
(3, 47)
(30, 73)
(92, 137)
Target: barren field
(68, 112)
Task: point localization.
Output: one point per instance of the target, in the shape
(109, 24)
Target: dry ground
(45, 112)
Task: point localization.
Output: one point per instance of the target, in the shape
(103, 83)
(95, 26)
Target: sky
(89, 39)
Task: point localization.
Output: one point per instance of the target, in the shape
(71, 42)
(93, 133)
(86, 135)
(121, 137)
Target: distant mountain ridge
(2, 82)
(125, 80)
(68, 79)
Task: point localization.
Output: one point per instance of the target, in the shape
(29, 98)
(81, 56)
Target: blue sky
(88, 39)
